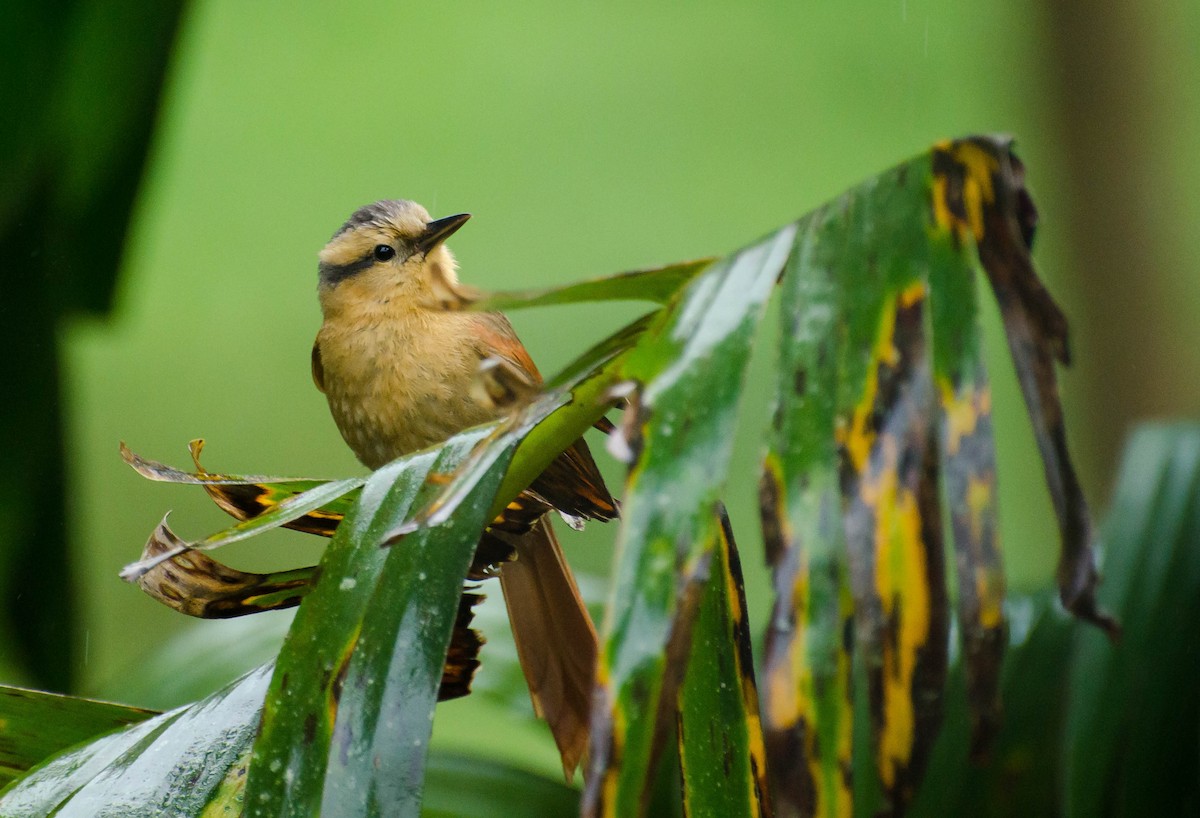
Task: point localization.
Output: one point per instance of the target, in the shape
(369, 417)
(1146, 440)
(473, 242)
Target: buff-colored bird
(402, 373)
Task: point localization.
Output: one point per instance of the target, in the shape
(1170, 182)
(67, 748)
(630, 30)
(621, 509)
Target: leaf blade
(1131, 718)
(720, 733)
(136, 772)
(292, 751)
(670, 501)
(37, 725)
(655, 284)
(967, 455)
(292, 508)
(986, 202)
(808, 702)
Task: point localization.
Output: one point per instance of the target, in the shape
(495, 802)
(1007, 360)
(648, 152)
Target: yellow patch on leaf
(962, 412)
(978, 167)
(900, 577)
(856, 436)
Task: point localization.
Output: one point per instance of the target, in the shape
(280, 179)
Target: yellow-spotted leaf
(966, 447)
(808, 706)
(885, 434)
(244, 497)
(882, 399)
(688, 372)
(980, 196)
(721, 748)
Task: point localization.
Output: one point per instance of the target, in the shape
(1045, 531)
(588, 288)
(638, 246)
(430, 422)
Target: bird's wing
(497, 337)
(572, 482)
(573, 485)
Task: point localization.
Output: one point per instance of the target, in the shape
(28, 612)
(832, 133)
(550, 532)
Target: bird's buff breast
(399, 384)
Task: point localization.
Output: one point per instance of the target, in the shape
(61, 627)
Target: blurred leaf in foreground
(1022, 773)
(81, 91)
(1132, 743)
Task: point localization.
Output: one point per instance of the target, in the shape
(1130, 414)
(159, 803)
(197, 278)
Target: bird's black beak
(439, 230)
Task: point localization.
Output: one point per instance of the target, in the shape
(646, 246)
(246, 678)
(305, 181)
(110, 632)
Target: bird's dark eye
(383, 252)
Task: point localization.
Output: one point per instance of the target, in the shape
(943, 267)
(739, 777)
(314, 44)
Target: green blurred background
(586, 139)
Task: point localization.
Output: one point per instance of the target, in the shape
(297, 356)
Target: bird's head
(387, 252)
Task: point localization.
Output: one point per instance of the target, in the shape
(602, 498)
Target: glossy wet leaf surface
(689, 371)
(721, 747)
(364, 658)
(883, 414)
(178, 763)
(37, 725)
(807, 709)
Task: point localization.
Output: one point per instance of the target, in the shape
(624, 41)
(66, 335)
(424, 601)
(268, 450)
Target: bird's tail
(556, 641)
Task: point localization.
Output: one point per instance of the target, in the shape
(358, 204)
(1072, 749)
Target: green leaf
(720, 735)
(35, 725)
(1131, 735)
(349, 712)
(459, 786)
(180, 763)
(1021, 774)
(807, 710)
(689, 367)
(657, 284)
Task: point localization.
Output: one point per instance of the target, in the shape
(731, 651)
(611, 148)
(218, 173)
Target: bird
(401, 372)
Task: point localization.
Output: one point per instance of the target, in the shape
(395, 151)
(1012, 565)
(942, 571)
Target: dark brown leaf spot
(800, 382)
(770, 511)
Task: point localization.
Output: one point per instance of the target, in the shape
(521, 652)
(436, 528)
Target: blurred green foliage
(81, 85)
(585, 139)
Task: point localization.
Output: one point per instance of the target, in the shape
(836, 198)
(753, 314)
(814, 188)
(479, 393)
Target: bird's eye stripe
(332, 273)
